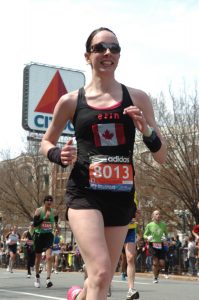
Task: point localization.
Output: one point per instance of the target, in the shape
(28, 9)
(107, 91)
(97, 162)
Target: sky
(159, 41)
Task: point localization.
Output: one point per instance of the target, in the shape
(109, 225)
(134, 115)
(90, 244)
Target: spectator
(178, 245)
(169, 258)
(192, 256)
(77, 258)
(63, 264)
(148, 257)
(184, 254)
(195, 232)
(56, 249)
(1, 250)
(140, 260)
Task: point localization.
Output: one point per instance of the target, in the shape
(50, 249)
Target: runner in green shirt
(45, 219)
(156, 234)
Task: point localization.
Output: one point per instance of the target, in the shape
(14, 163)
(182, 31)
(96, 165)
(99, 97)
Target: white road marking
(122, 281)
(126, 281)
(30, 294)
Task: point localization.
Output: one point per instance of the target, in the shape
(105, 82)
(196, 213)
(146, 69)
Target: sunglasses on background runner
(102, 47)
(49, 200)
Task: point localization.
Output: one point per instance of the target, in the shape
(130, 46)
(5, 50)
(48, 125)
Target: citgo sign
(43, 85)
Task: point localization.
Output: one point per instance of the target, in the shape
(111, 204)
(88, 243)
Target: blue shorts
(131, 236)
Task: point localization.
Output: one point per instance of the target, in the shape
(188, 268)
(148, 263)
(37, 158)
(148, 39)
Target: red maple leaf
(107, 135)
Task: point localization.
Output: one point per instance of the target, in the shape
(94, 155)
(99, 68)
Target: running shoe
(73, 292)
(48, 283)
(28, 275)
(123, 276)
(8, 269)
(155, 280)
(132, 294)
(37, 282)
(56, 272)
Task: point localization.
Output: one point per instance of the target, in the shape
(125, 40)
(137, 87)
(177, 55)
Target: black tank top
(104, 131)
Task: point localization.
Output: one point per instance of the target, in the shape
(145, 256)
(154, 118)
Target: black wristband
(56, 218)
(54, 155)
(152, 142)
(37, 221)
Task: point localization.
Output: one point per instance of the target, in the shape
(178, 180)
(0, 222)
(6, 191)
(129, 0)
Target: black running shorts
(12, 248)
(43, 241)
(159, 253)
(117, 208)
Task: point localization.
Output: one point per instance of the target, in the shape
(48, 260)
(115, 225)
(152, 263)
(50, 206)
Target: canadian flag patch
(108, 134)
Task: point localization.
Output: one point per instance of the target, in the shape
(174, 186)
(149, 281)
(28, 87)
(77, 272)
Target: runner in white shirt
(12, 241)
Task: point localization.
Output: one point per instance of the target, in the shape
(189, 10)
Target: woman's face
(103, 59)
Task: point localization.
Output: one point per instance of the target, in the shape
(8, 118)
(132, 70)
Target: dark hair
(93, 33)
(48, 197)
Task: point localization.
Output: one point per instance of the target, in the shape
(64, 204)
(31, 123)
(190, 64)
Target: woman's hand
(68, 153)
(138, 118)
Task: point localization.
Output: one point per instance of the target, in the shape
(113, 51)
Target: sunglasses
(102, 47)
(49, 200)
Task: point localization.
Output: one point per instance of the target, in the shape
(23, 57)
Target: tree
(176, 183)
(25, 181)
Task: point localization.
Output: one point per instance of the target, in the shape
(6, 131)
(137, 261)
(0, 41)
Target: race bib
(12, 242)
(13, 238)
(46, 226)
(157, 245)
(110, 173)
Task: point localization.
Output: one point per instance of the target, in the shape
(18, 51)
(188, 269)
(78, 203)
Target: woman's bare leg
(100, 248)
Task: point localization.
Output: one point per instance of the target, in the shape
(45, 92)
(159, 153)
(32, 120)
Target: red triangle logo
(54, 91)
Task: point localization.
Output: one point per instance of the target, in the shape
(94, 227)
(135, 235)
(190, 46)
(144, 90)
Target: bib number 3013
(105, 174)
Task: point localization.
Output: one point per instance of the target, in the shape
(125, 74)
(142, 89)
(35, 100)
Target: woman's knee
(102, 278)
(99, 275)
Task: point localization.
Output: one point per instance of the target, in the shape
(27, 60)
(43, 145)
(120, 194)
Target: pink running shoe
(73, 292)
